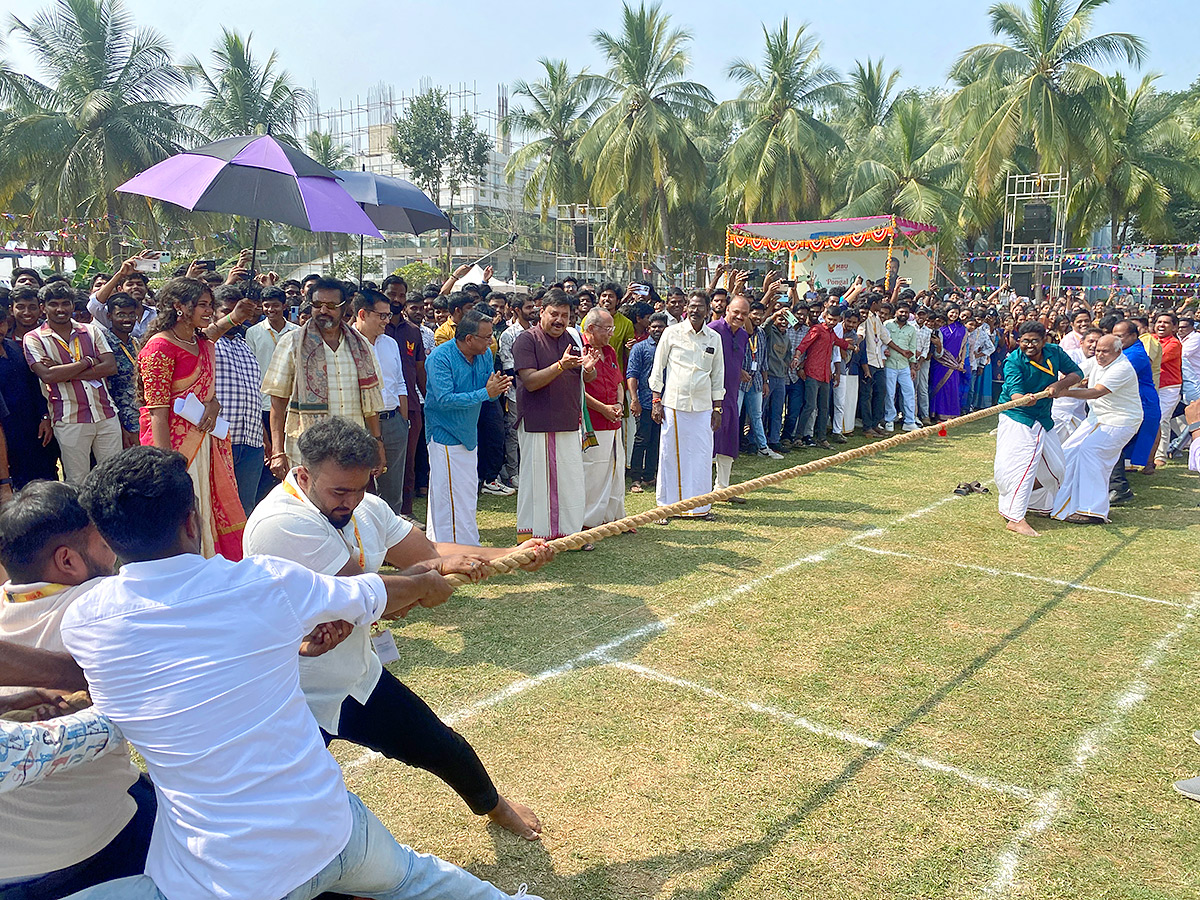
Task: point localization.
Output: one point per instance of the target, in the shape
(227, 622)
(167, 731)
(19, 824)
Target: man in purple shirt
(733, 344)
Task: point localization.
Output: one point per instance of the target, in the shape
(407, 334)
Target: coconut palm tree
(869, 96)
(1038, 85)
(909, 168)
(560, 107)
(103, 114)
(640, 149)
(783, 151)
(1132, 176)
(243, 95)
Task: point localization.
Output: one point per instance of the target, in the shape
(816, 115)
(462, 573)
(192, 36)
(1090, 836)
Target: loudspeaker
(1036, 227)
(583, 240)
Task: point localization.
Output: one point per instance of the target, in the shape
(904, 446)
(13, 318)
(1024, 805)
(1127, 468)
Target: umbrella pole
(254, 250)
(360, 260)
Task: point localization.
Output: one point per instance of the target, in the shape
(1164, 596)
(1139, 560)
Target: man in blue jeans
(197, 661)
(795, 379)
(778, 357)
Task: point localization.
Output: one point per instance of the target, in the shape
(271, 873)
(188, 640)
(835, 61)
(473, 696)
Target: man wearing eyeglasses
(372, 314)
(321, 370)
(459, 377)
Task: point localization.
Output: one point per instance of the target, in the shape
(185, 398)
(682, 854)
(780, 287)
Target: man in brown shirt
(550, 364)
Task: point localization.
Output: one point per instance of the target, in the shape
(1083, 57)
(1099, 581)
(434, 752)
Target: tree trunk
(114, 239)
(665, 229)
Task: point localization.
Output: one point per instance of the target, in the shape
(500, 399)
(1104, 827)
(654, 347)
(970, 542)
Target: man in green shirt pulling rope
(1029, 457)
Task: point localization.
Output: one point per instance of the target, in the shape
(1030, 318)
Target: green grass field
(856, 685)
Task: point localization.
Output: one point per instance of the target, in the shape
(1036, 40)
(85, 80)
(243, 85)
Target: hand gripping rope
(515, 560)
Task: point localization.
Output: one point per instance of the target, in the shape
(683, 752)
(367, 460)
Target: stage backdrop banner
(839, 268)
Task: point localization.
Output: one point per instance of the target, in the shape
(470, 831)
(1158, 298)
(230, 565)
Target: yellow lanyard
(1048, 368)
(48, 590)
(74, 350)
(753, 342)
(128, 355)
(362, 558)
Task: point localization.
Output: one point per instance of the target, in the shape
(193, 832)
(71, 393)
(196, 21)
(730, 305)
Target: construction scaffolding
(578, 228)
(1035, 222)
(484, 212)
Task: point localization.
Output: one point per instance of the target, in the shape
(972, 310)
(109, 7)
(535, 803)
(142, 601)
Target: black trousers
(397, 723)
(645, 447)
(490, 459)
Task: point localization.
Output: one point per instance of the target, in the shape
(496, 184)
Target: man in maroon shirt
(814, 357)
(550, 364)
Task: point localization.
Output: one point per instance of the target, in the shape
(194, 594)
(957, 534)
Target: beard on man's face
(96, 569)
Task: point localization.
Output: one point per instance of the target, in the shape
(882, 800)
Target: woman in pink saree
(177, 361)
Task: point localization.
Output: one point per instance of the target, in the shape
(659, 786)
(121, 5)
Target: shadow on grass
(742, 858)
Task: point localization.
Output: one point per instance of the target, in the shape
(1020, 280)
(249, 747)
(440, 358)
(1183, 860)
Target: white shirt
(263, 339)
(39, 835)
(1063, 408)
(1122, 405)
(921, 352)
(1191, 358)
(691, 366)
(196, 661)
(287, 525)
(391, 371)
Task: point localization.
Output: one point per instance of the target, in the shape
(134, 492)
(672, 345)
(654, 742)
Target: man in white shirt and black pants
(196, 660)
(372, 313)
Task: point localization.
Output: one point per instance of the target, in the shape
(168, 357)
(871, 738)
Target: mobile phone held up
(641, 289)
(152, 261)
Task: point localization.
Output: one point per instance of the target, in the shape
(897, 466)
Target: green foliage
(423, 139)
(419, 273)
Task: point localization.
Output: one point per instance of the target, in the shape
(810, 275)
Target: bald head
(736, 311)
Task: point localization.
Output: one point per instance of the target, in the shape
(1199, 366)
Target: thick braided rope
(574, 541)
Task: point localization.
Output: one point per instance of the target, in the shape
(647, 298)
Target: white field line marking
(1009, 574)
(1051, 804)
(598, 654)
(980, 781)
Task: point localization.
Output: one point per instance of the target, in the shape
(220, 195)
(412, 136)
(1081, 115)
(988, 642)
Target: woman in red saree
(176, 361)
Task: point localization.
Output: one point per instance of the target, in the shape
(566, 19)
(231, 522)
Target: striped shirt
(237, 382)
(80, 401)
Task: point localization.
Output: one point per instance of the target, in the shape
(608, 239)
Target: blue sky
(346, 47)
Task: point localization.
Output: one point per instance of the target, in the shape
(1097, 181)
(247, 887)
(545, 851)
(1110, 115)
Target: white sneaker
(911, 427)
(770, 454)
(889, 427)
(500, 490)
(523, 894)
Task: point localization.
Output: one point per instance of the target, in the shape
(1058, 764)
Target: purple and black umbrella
(257, 177)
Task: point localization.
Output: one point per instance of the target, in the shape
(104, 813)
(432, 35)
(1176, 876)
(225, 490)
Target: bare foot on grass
(1022, 527)
(517, 818)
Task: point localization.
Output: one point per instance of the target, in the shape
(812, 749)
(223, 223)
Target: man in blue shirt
(459, 377)
(637, 376)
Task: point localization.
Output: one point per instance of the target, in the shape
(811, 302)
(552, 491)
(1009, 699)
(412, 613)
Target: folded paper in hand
(191, 409)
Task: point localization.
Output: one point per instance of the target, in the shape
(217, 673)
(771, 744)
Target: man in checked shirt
(238, 378)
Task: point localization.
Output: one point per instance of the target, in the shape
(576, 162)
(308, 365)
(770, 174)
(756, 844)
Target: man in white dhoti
(1029, 458)
(551, 369)
(604, 463)
(1114, 414)
(688, 388)
(459, 378)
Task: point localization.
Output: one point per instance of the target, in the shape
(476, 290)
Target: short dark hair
(119, 300)
(721, 291)
(459, 299)
(1092, 330)
(227, 293)
(1170, 315)
(556, 297)
(1032, 327)
(348, 445)
(610, 286)
(585, 292)
(703, 295)
(326, 284)
(276, 294)
(364, 301)
(470, 323)
(758, 305)
(139, 499)
(17, 273)
(136, 276)
(43, 515)
(283, 285)
(658, 317)
(393, 279)
(18, 294)
(1108, 323)
(57, 290)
